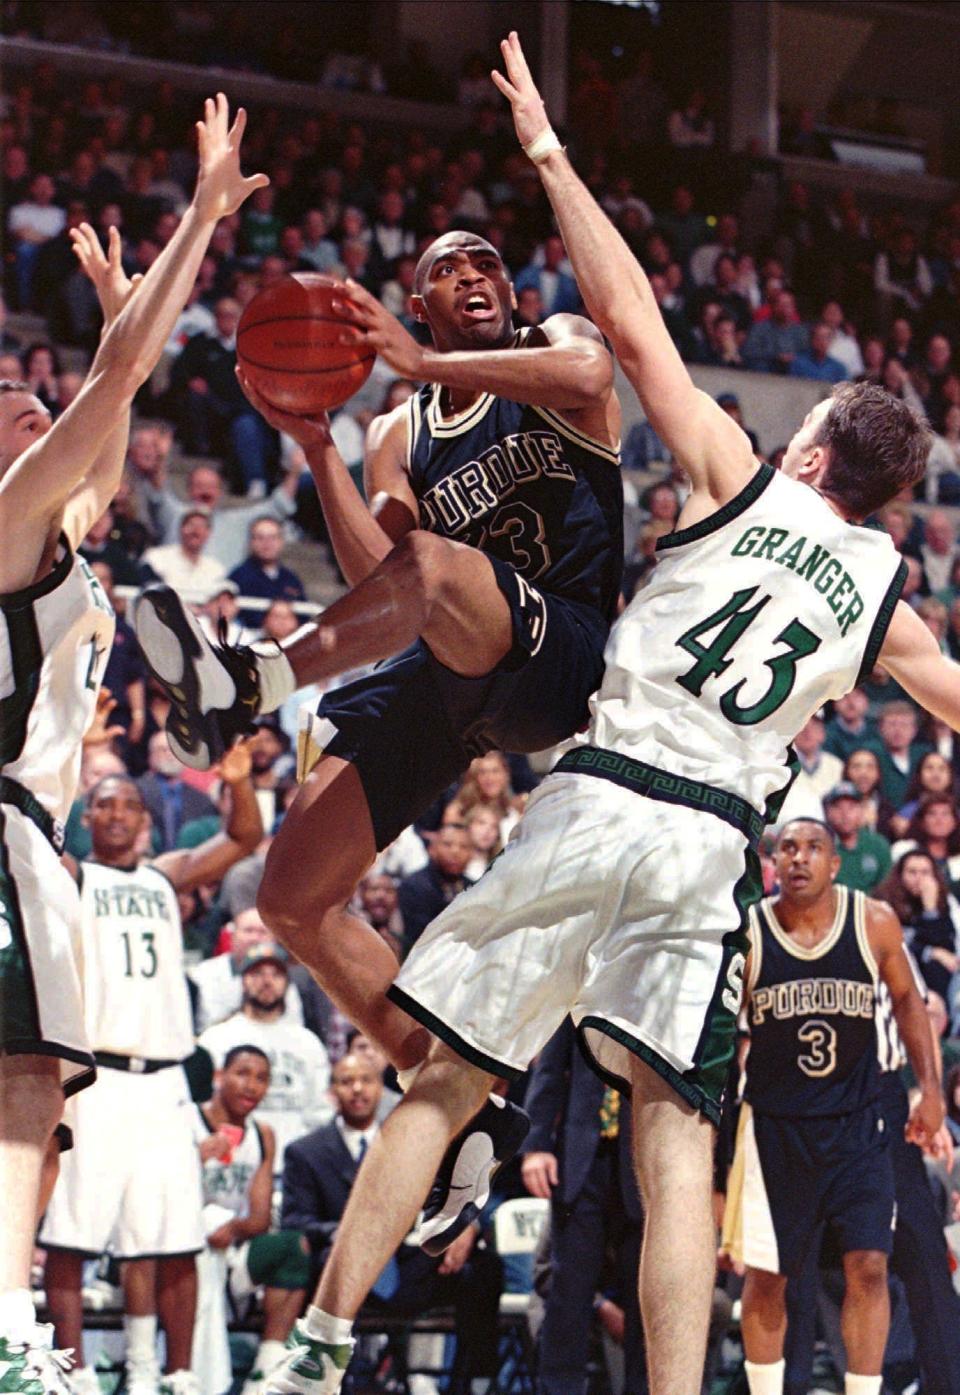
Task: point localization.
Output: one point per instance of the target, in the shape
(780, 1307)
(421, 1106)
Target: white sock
(18, 1316)
(405, 1078)
(277, 678)
(766, 1379)
(862, 1385)
(141, 1335)
(269, 1355)
(324, 1327)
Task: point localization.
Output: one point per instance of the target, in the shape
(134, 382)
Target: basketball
(288, 344)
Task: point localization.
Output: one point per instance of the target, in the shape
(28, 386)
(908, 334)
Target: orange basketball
(288, 344)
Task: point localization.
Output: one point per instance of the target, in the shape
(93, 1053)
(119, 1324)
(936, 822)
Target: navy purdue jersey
(813, 1036)
(523, 485)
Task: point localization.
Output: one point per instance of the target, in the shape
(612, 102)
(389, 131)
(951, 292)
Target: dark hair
(857, 751)
(42, 345)
(248, 1049)
(818, 823)
(878, 446)
(123, 778)
(905, 905)
(915, 789)
(916, 830)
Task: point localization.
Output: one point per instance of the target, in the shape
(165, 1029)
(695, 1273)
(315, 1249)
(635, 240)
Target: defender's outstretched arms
(39, 482)
(710, 446)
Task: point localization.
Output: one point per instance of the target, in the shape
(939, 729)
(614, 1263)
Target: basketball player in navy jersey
(812, 1145)
(56, 628)
(490, 562)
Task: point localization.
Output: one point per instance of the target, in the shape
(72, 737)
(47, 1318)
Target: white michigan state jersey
(135, 992)
(227, 1184)
(752, 619)
(55, 638)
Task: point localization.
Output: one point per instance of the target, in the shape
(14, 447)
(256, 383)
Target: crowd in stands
(837, 291)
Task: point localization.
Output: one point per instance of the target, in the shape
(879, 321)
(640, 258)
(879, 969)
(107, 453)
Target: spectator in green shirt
(864, 855)
(851, 727)
(898, 749)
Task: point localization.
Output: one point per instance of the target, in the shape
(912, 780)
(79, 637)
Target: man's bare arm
(191, 867)
(709, 445)
(570, 370)
(114, 288)
(361, 536)
(886, 942)
(910, 654)
(40, 481)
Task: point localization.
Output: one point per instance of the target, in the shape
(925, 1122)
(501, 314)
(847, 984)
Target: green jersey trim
(650, 781)
(882, 623)
(732, 509)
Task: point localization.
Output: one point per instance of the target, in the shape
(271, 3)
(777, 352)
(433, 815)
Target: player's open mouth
(478, 307)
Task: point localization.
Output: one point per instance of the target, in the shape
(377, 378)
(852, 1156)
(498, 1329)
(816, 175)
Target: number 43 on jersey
(713, 659)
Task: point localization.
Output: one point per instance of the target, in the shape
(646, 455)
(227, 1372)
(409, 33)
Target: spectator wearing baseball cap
(864, 855)
(297, 1099)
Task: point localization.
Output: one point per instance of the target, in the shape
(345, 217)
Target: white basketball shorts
(130, 1185)
(41, 997)
(623, 910)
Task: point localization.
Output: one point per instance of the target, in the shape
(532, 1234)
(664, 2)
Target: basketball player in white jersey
(56, 629)
(237, 1152)
(621, 898)
(130, 1185)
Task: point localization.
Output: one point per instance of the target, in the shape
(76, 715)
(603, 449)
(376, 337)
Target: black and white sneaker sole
(181, 659)
(491, 1140)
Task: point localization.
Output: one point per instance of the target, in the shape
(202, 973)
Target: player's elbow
(593, 372)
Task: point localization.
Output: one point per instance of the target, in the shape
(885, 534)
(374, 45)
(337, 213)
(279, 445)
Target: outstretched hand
(374, 325)
(221, 188)
(520, 90)
(306, 431)
(111, 283)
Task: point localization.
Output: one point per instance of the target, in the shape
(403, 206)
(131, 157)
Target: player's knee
(763, 1289)
(429, 560)
(866, 1271)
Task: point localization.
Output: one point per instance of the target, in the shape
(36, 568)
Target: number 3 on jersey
(712, 660)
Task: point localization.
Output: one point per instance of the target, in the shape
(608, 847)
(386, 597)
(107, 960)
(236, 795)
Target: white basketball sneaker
(310, 1367)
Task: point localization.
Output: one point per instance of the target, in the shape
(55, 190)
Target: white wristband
(542, 145)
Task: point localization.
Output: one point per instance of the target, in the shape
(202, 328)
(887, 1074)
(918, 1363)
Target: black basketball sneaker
(214, 690)
(462, 1186)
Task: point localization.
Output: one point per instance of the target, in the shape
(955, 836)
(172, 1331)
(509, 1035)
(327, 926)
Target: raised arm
(41, 480)
(911, 655)
(361, 537)
(191, 867)
(886, 942)
(567, 366)
(712, 449)
(114, 288)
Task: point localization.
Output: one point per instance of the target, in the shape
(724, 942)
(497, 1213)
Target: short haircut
(878, 446)
(818, 823)
(898, 708)
(458, 242)
(123, 778)
(248, 1049)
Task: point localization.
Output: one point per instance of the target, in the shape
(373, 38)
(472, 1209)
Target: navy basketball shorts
(413, 726)
(792, 1175)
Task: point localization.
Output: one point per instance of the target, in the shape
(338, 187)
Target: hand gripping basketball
(290, 346)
